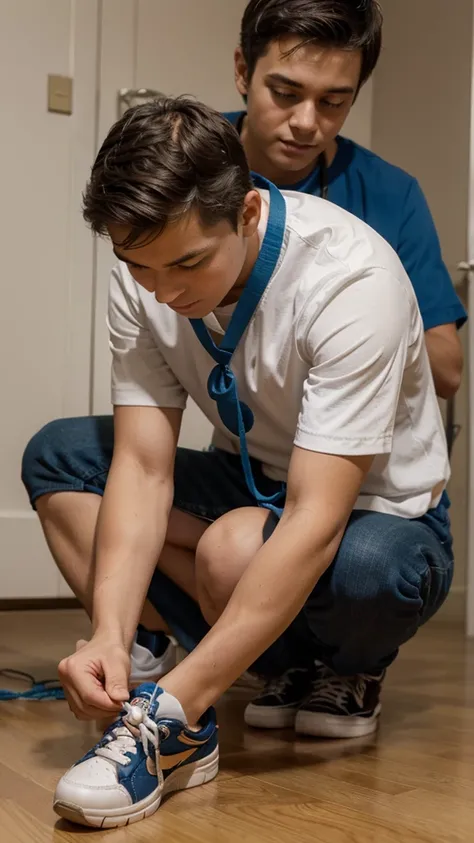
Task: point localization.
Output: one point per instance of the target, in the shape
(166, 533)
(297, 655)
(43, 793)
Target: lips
(298, 147)
(183, 307)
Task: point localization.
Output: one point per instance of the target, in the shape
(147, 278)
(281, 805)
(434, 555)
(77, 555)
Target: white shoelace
(122, 740)
(337, 689)
(277, 687)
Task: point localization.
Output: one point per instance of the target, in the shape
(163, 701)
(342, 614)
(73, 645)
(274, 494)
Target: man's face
(297, 103)
(192, 268)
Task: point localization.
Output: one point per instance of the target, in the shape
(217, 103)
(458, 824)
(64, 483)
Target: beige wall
(359, 125)
(421, 122)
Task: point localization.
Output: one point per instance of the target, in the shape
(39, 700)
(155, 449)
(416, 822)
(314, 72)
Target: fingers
(85, 693)
(116, 672)
(116, 687)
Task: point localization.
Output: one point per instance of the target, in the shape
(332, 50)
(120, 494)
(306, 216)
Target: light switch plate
(60, 94)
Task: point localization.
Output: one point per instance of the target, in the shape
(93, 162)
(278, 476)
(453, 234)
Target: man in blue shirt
(300, 66)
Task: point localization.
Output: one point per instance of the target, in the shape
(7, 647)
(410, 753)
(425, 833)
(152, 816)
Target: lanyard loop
(222, 383)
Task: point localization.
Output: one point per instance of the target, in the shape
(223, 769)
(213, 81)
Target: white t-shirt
(333, 360)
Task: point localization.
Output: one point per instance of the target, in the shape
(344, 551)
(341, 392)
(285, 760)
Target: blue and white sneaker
(146, 754)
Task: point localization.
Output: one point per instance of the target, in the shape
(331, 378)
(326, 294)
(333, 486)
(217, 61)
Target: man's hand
(95, 678)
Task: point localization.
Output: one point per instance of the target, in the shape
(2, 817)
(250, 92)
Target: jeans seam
(93, 474)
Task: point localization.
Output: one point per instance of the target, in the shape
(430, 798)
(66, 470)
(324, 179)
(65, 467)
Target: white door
(47, 258)
(422, 122)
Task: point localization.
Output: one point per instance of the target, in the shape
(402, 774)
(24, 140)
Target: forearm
(267, 599)
(446, 361)
(131, 531)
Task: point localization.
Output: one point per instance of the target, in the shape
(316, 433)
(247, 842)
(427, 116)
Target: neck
(260, 163)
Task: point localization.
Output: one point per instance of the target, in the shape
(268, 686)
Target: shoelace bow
(136, 726)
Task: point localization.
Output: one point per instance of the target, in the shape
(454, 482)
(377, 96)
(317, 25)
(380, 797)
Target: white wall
(45, 331)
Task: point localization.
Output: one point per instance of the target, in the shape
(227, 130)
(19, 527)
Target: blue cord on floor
(49, 689)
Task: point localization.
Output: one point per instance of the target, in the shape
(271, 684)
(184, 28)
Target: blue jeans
(390, 575)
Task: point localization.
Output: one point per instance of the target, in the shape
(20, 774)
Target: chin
(293, 165)
(199, 312)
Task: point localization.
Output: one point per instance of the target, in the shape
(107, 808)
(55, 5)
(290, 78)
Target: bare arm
(279, 579)
(131, 531)
(446, 358)
(134, 516)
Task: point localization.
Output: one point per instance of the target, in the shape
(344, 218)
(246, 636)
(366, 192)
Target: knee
(222, 556)
(385, 567)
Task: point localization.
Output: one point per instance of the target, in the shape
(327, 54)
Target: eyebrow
(183, 259)
(285, 80)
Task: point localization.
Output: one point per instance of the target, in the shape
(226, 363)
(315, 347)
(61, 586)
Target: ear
(240, 72)
(251, 213)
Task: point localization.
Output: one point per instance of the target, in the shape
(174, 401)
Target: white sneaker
(146, 754)
(145, 667)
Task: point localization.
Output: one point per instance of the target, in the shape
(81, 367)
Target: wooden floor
(413, 782)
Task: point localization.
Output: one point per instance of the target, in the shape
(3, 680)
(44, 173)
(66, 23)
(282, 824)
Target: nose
(166, 295)
(304, 118)
(160, 285)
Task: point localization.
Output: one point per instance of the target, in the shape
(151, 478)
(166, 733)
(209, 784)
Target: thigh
(69, 455)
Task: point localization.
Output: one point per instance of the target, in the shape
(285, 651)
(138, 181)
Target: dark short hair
(161, 160)
(345, 24)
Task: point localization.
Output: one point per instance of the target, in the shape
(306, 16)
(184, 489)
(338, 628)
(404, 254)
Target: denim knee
(389, 561)
(68, 455)
(389, 577)
(387, 570)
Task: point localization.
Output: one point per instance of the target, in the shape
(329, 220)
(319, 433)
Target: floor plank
(412, 783)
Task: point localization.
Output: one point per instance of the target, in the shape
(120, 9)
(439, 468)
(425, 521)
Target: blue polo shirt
(391, 202)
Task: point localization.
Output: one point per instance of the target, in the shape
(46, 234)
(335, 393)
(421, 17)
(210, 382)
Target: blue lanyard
(222, 383)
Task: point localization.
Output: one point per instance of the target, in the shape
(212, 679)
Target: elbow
(448, 384)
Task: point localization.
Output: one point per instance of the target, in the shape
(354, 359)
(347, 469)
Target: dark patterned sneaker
(277, 704)
(341, 706)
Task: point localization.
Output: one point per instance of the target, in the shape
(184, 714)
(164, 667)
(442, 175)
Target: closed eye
(188, 266)
(135, 266)
(283, 95)
(329, 104)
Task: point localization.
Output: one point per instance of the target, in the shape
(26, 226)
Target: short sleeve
(140, 373)
(357, 347)
(420, 252)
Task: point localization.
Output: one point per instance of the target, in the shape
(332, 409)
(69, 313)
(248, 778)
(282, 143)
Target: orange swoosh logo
(169, 761)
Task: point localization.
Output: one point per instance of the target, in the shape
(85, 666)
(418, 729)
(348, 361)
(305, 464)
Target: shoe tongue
(158, 703)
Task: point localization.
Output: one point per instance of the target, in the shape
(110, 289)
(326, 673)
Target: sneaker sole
(333, 726)
(263, 717)
(193, 775)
